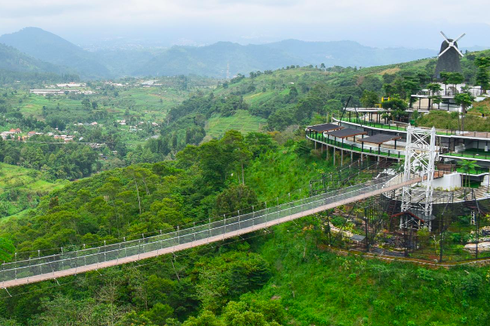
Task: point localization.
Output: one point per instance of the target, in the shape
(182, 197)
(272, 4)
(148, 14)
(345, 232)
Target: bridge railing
(112, 252)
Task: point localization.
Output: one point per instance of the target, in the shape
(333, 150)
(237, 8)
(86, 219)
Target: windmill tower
(449, 56)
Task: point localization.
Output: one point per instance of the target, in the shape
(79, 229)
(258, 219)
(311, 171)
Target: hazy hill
(347, 53)
(51, 48)
(12, 59)
(212, 60)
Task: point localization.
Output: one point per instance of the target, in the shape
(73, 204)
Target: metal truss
(420, 157)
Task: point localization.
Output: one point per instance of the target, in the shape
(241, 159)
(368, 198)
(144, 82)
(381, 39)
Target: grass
(242, 121)
(317, 287)
(278, 174)
(21, 189)
(150, 103)
(472, 152)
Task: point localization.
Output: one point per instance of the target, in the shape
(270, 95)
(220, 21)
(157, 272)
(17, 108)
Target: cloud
(305, 19)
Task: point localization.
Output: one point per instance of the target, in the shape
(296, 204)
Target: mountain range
(37, 50)
(12, 59)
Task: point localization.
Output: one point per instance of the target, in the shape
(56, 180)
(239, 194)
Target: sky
(378, 23)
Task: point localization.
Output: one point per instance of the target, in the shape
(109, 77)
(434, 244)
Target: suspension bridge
(418, 169)
(70, 263)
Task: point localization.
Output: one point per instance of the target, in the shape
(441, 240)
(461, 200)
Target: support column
(362, 150)
(342, 153)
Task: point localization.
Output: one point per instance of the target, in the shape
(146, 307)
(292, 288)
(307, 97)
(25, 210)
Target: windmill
(449, 56)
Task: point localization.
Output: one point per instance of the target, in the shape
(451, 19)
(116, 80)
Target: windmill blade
(461, 36)
(460, 53)
(445, 37)
(445, 50)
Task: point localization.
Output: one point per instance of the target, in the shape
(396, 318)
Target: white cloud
(276, 18)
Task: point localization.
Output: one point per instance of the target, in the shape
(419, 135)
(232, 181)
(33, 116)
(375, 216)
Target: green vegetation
(22, 189)
(173, 162)
(241, 121)
(284, 276)
(451, 122)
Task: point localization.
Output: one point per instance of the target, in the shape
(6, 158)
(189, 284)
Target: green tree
(433, 89)
(464, 100)
(482, 76)
(411, 86)
(445, 80)
(234, 198)
(7, 250)
(206, 318)
(467, 167)
(455, 78)
(369, 99)
(397, 107)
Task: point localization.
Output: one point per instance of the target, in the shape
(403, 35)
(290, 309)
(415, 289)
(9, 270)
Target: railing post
(224, 226)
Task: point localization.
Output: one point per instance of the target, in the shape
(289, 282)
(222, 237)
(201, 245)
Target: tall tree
(482, 76)
(464, 100)
(433, 89)
(369, 99)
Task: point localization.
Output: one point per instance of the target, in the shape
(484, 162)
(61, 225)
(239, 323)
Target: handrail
(70, 263)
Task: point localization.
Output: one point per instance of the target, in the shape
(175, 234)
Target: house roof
(347, 132)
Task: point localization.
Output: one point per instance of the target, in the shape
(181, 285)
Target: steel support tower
(420, 157)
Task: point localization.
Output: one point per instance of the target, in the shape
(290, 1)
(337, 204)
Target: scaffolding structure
(420, 156)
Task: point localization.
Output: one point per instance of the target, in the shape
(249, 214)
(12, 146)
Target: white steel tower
(420, 156)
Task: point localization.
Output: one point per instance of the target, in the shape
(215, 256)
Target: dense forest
(285, 275)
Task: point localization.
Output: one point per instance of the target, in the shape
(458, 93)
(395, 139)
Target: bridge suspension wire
(343, 175)
(77, 277)
(137, 236)
(80, 261)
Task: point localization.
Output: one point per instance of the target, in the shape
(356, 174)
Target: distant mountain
(213, 60)
(12, 59)
(348, 53)
(51, 48)
(123, 62)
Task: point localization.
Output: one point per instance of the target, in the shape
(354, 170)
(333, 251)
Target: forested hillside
(218, 60)
(282, 276)
(12, 59)
(55, 50)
